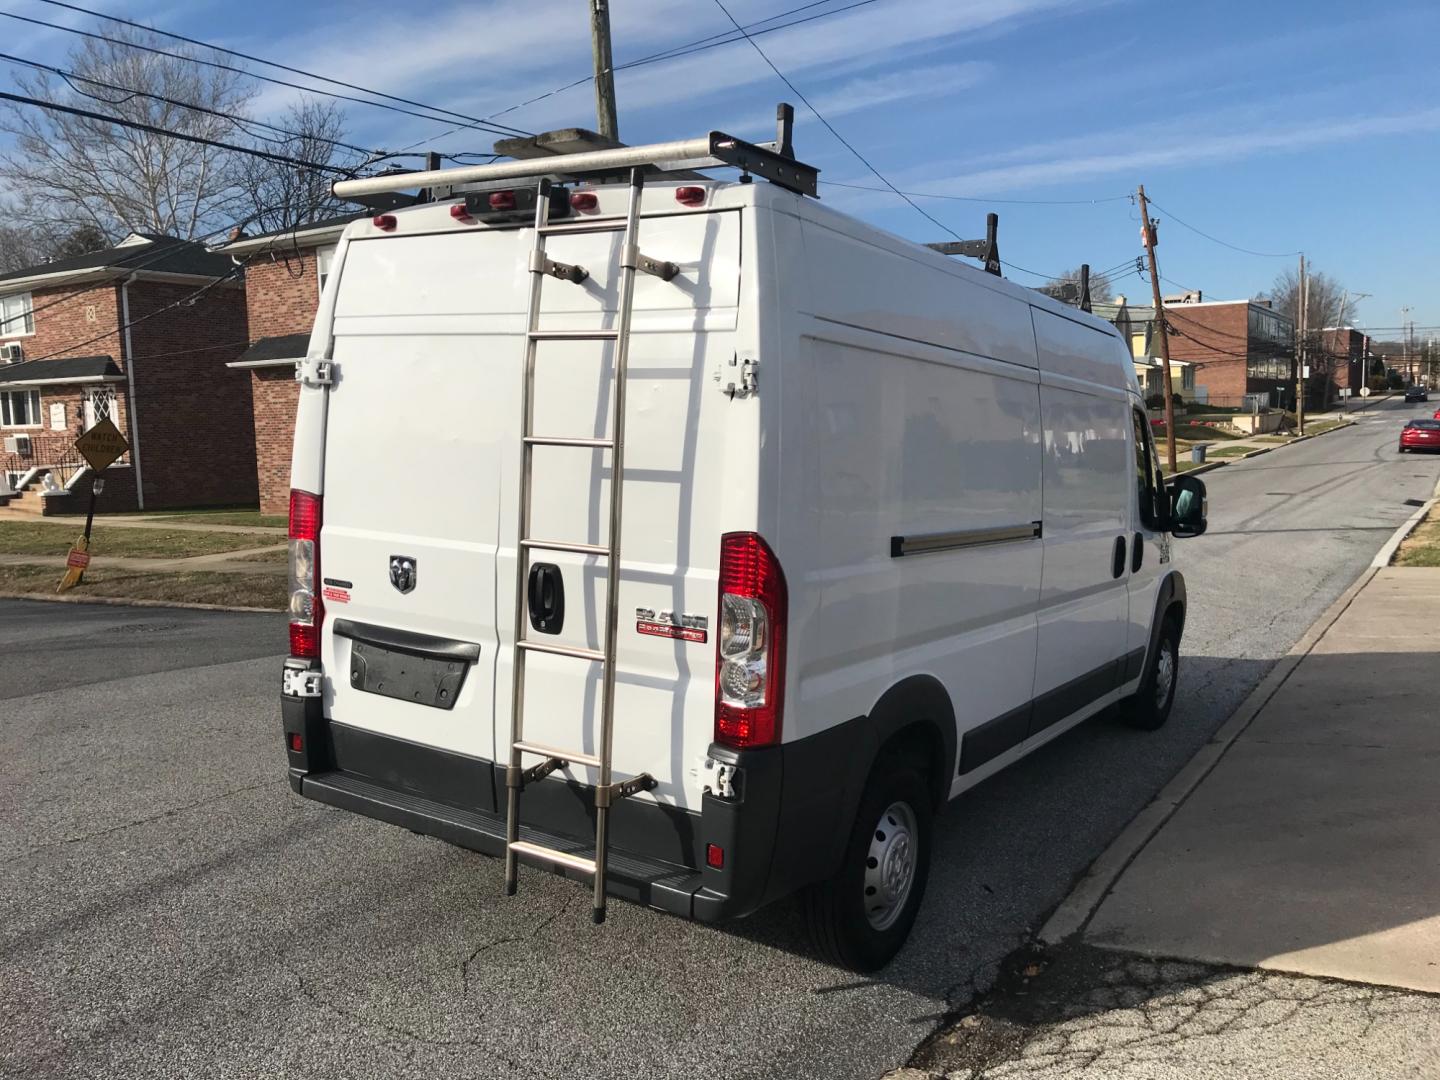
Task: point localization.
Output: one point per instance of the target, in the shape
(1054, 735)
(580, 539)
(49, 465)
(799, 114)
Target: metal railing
(50, 451)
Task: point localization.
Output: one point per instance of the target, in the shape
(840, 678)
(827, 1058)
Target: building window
(1187, 378)
(20, 408)
(17, 315)
(324, 259)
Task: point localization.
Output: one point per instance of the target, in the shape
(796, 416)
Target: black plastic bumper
(783, 829)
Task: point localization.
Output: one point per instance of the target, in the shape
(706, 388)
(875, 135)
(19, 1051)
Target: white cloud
(1180, 142)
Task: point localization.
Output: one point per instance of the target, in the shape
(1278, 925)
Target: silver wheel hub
(890, 865)
(1164, 675)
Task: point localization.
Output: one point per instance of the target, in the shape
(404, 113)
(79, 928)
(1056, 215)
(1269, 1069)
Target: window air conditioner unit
(12, 353)
(17, 444)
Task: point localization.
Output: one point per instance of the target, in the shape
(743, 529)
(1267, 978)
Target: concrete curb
(1095, 884)
(125, 601)
(1386, 553)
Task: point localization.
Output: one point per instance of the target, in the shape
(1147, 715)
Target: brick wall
(71, 317)
(196, 426)
(276, 395)
(281, 295)
(1214, 339)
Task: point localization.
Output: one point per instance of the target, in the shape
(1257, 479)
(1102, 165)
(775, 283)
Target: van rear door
(423, 456)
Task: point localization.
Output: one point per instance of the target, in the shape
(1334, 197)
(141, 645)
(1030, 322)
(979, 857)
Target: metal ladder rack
(516, 775)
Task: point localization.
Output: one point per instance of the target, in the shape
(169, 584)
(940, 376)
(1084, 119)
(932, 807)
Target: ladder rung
(563, 440)
(575, 757)
(574, 335)
(561, 545)
(560, 858)
(562, 650)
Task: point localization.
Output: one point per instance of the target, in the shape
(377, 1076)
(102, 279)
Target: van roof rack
(712, 151)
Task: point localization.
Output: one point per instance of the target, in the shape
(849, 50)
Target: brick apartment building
(1346, 354)
(140, 332)
(1238, 348)
(284, 274)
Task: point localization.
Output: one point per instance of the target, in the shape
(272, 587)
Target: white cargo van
(889, 523)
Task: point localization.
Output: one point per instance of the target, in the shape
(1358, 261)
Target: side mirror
(1188, 506)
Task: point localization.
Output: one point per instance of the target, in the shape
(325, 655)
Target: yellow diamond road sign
(102, 444)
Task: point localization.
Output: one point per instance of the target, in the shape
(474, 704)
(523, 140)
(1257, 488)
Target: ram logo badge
(402, 573)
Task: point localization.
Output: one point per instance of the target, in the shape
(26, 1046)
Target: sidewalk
(1314, 844)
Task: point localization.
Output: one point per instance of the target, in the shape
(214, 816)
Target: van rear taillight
(307, 610)
(750, 647)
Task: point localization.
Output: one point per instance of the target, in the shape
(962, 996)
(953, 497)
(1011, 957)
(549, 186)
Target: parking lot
(169, 908)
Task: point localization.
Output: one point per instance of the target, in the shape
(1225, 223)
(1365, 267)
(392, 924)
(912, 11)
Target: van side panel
(1087, 480)
(916, 445)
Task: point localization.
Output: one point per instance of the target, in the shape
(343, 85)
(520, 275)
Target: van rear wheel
(861, 917)
(1150, 706)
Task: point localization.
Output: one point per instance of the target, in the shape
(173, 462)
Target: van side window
(1149, 487)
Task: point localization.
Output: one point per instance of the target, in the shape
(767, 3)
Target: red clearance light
(690, 196)
(584, 200)
(385, 222)
(715, 856)
(460, 213)
(297, 744)
(307, 610)
(750, 645)
(502, 200)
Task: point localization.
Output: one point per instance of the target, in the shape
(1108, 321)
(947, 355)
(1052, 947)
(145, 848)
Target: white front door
(99, 404)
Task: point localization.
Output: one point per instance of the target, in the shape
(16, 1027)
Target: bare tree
(1068, 284)
(276, 196)
(65, 170)
(1327, 296)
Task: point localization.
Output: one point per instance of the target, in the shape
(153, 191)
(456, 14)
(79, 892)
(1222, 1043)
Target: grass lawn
(278, 557)
(199, 587)
(1187, 465)
(1273, 440)
(1421, 547)
(225, 517)
(1194, 433)
(1229, 451)
(1323, 425)
(46, 538)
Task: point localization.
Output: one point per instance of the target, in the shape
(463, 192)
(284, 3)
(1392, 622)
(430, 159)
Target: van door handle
(1117, 564)
(547, 598)
(1137, 553)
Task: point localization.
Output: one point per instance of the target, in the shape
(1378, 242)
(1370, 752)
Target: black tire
(839, 910)
(1150, 705)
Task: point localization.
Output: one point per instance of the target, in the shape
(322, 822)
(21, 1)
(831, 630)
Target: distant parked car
(1417, 393)
(1420, 435)
(1437, 414)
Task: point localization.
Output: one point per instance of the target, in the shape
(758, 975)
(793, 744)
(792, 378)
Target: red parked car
(1420, 435)
(1437, 414)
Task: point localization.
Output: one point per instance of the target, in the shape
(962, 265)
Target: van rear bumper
(657, 855)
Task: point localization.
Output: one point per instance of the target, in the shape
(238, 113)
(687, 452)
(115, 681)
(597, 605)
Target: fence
(54, 453)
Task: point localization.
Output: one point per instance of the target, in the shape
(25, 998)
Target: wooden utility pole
(1302, 327)
(604, 69)
(1147, 233)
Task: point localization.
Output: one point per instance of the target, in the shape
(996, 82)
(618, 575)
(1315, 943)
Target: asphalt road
(168, 908)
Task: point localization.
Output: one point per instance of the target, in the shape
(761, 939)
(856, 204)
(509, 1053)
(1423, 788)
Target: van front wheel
(1150, 707)
(861, 917)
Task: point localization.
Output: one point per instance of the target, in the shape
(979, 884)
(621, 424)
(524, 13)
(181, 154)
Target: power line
(831, 128)
(1224, 243)
(267, 63)
(700, 45)
(479, 125)
(982, 199)
(243, 122)
(136, 125)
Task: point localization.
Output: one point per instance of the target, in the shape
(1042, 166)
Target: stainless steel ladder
(516, 775)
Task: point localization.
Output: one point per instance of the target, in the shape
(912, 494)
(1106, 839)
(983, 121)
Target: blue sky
(1274, 126)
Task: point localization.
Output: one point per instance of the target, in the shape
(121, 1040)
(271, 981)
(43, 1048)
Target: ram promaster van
(698, 542)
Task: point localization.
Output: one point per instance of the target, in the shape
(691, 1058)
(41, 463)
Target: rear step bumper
(646, 881)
